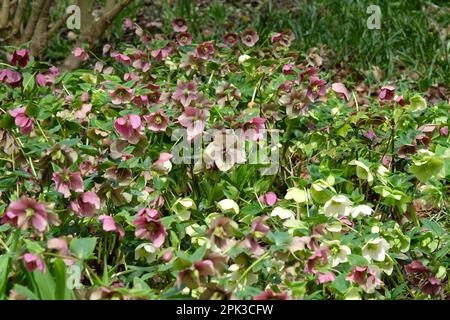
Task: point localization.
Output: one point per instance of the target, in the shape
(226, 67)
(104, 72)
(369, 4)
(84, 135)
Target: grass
(408, 46)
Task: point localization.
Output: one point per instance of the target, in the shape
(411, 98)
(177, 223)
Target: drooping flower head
(80, 53)
(33, 262)
(11, 77)
(316, 88)
(110, 225)
(269, 294)
(179, 25)
(366, 277)
(47, 78)
(282, 39)
(26, 213)
(66, 181)
(20, 58)
(85, 204)
(149, 226)
(21, 120)
(157, 121)
(129, 127)
(194, 120)
(387, 93)
(254, 129)
(249, 37)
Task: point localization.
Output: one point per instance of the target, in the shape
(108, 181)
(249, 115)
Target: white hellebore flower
(338, 253)
(339, 205)
(298, 195)
(361, 210)
(182, 207)
(228, 205)
(282, 213)
(243, 58)
(145, 251)
(375, 249)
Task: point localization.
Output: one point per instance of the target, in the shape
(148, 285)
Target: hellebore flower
(66, 181)
(185, 93)
(282, 213)
(205, 50)
(375, 249)
(80, 54)
(249, 37)
(119, 57)
(85, 204)
(11, 77)
(254, 129)
(184, 38)
(109, 225)
(157, 121)
(339, 205)
(20, 58)
(163, 53)
(179, 25)
(270, 198)
(163, 163)
(288, 69)
(21, 120)
(225, 151)
(231, 39)
(194, 120)
(269, 294)
(416, 266)
(361, 210)
(228, 205)
(26, 212)
(338, 253)
(149, 227)
(121, 95)
(320, 257)
(47, 78)
(432, 286)
(283, 39)
(340, 89)
(221, 230)
(326, 277)
(227, 92)
(366, 277)
(145, 251)
(386, 93)
(129, 127)
(33, 262)
(316, 88)
(60, 245)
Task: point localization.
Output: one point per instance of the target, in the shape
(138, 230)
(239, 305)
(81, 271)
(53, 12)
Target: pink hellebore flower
(320, 256)
(194, 120)
(205, 50)
(11, 77)
(416, 266)
(163, 163)
(340, 89)
(249, 37)
(110, 225)
(60, 245)
(33, 262)
(179, 25)
(386, 93)
(366, 277)
(129, 127)
(24, 123)
(269, 294)
(20, 58)
(121, 95)
(283, 39)
(326, 277)
(26, 211)
(47, 78)
(66, 181)
(316, 88)
(85, 204)
(270, 198)
(80, 53)
(185, 93)
(157, 121)
(432, 286)
(231, 39)
(149, 227)
(288, 69)
(184, 38)
(254, 129)
(119, 57)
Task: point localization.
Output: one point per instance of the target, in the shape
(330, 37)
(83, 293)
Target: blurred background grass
(412, 45)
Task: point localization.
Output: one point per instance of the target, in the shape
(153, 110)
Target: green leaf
(24, 291)
(83, 247)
